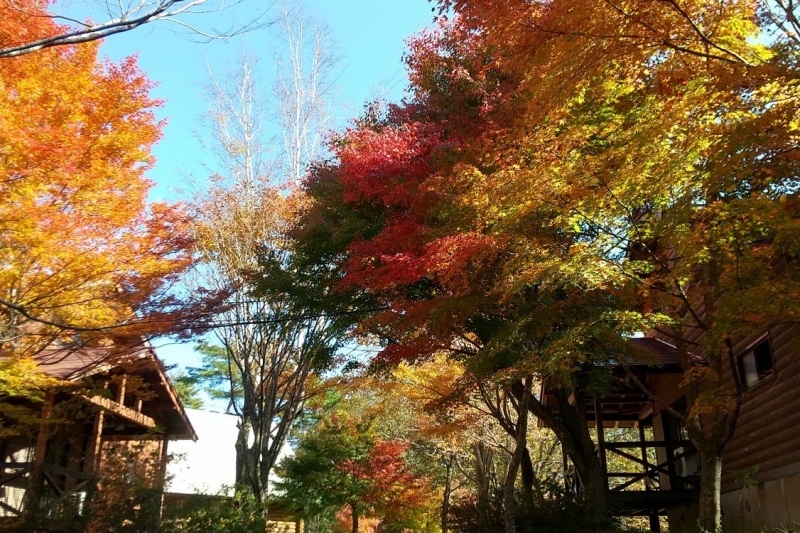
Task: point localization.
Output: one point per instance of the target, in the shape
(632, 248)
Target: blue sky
(370, 35)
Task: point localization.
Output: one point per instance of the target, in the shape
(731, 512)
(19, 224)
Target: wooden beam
(13, 511)
(121, 390)
(64, 471)
(650, 444)
(120, 410)
(18, 464)
(9, 477)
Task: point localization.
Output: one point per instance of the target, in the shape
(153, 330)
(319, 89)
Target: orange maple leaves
(80, 248)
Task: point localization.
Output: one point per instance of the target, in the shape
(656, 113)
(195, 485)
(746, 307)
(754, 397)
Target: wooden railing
(62, 482)
(652, 473)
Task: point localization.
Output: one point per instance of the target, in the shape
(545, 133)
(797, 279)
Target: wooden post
(3, 456)
(601, 438)
(34, 493)
(121, 391)
(670, 432)
(94, 448)
(163, 475)
(655, 524)
(642, 441)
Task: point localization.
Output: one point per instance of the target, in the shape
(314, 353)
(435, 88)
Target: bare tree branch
(122, 17)
(307, 69)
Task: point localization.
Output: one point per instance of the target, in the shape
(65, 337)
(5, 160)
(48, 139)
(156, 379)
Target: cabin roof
(626, 403)
(69, 364)
(656, 353)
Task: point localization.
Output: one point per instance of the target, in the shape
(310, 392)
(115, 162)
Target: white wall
(208, 465)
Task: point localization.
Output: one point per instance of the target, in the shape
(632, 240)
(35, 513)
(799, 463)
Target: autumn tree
(564, 177)
(394, 213)
(84, 255)
(512, 253)
(466, 422)
(271, 342)
(342, 462)
(270, 346)
(662, 136)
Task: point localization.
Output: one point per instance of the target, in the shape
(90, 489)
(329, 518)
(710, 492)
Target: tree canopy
(84, 255)
(562, 178)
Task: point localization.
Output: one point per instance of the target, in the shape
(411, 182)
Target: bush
(468, 515)
(240, 514)
(558, 514)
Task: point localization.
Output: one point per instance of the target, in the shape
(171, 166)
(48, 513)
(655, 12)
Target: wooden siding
(768, 430)
(667, 388)
(767, 433)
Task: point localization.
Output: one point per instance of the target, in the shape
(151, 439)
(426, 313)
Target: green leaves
(317, 477)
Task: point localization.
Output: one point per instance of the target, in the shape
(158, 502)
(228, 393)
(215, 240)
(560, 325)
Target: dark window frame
(761, 358)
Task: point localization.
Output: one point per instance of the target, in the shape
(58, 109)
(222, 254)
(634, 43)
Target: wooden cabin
(647, 460)
(652, 468)
(761, 462)
(112, 415)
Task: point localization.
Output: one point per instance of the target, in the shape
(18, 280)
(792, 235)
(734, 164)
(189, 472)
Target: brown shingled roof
(657, 352)
(75, 364)
(70, 364)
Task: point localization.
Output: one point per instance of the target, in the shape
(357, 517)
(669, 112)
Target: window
(756, 362)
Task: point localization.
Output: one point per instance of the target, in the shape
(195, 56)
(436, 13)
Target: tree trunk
(571, 426)
(595, 489)
(446, 494)
(508, 494)
(710, 489)
(711, 432)
(528, 479)
(241, 452)
(354, 510)
(520, 447)
(263, 469)
(264, 500)
(483, 458)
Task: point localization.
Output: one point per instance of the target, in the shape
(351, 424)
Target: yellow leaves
(21, 378)
(712, 402)
(440, 392)
(430, 381)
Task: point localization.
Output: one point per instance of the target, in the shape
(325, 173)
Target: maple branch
(689, 307)
(670, 43)
(702, 35)
(734, 58)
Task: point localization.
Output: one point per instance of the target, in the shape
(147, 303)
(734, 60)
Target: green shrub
(240, 514)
